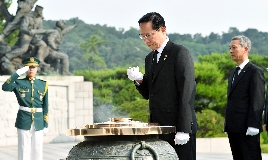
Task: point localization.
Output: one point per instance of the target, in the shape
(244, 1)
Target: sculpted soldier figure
(24, 7)
(31, 21)
(53, 39)
(32, 116)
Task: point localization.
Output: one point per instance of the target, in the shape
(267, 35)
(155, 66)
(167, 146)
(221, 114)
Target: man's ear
(246, 49)
(163, 29)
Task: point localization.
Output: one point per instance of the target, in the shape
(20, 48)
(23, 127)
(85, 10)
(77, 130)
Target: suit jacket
(245, 100)
(32, 96)
(171, 88)
(266, 108)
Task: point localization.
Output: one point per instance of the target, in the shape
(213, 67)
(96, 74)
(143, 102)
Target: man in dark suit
(245, 102)
(169, 84)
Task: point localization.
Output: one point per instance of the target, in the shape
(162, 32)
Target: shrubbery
(210, 124)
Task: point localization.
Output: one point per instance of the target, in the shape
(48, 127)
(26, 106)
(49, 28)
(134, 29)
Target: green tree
(211, 87)
(91, 55)
(222, 61)
(210, 124)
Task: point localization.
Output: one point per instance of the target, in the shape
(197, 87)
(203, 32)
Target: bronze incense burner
(122, 139)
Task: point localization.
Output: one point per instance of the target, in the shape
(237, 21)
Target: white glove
(252, 131)
(22, 70)
(181, 138)
(133, 73)
(45, 130)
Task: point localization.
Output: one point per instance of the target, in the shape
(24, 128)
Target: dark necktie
(235, 74)
(154, 60)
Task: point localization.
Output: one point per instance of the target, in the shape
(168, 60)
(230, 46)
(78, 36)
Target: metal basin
(122, 139)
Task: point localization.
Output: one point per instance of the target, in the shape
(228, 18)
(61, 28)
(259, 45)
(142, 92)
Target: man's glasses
(146, 36)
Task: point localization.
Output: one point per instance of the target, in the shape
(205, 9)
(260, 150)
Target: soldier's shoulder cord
(46, 87)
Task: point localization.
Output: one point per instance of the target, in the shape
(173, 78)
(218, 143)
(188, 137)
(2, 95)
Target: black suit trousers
(245, 147)
(186, 151)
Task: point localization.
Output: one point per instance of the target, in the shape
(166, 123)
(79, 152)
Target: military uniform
(32, 96)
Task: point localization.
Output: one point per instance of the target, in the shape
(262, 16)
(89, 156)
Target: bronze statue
(33, 40)
(53, 39)
(31, 21)
(24, 7)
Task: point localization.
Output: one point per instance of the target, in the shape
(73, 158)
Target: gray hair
(244, 41)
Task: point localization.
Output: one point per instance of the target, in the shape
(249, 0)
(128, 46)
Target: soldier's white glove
(45, 130)
(22, 70)
(133, 73)
(181, 138)
(252, 131)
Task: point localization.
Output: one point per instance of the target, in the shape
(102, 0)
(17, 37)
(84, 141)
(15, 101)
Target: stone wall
(70, 106)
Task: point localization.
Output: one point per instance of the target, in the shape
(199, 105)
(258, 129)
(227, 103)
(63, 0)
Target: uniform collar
(31, 79)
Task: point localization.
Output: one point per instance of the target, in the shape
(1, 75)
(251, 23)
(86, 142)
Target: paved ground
(57, 151)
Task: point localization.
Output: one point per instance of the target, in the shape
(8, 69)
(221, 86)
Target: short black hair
(156, 19)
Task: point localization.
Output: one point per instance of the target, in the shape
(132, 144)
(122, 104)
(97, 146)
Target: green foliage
(91, 55)
(222, 61)
(264, 142)
(264, 148)
(211, 87)
(210, 124)
(115, 92)
(138, 109)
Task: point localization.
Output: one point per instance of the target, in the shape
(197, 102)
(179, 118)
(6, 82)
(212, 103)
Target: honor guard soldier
(32, 116)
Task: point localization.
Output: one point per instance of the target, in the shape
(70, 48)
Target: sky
(181, 16)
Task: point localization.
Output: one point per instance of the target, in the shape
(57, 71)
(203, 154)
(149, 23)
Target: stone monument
(33, 40)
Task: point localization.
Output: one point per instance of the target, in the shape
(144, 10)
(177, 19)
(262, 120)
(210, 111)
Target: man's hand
(133, 73)
(181, 138)
(22, 70)
(252, 131)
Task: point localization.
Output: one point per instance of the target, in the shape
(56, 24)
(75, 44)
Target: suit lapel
(164, 55)
(241, 74)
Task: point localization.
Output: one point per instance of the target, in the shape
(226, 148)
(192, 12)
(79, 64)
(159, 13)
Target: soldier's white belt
(31, 110)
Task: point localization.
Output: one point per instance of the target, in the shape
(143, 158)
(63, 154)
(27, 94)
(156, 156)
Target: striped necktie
(235, 74)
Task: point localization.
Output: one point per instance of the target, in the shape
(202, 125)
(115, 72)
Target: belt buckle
(33, 110)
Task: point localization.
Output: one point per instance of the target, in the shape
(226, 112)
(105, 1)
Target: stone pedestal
(70, 106)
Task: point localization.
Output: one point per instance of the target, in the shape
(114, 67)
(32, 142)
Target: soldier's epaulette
(46, 86)
(42, 80)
